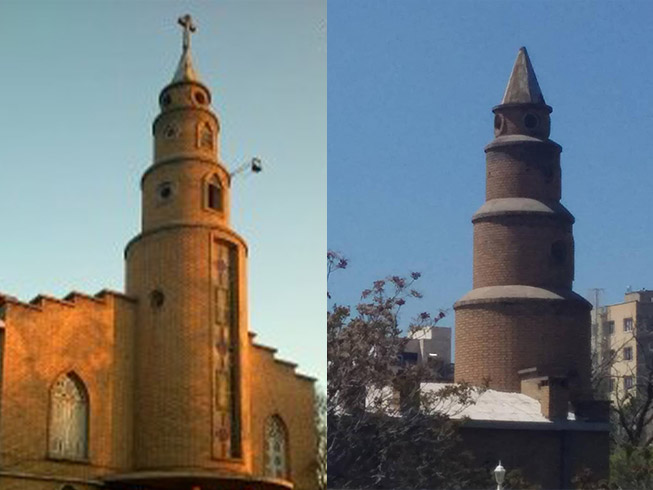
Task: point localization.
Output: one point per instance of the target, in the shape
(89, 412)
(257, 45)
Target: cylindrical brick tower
(522, 312)
(187, 268)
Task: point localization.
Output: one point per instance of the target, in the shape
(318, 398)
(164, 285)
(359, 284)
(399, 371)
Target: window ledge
(68, 459)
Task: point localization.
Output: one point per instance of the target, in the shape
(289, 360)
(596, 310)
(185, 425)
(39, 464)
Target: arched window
(276, 448)
(214, 198)
(205, 136)
(68, 434)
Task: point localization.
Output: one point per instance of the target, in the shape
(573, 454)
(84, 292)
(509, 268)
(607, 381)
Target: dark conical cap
(523, 87)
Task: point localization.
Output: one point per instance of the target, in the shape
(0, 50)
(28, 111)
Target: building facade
(623, 344)
(430, 347)
(162, 386)
(522, 329)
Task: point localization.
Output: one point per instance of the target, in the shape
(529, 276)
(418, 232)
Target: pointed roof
(523, 87)
(185, 71)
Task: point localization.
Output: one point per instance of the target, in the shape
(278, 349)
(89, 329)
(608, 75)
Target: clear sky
(411, 88)
(79, 87)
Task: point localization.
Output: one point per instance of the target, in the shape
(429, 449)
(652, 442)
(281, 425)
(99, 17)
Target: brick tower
(522, 318)
(187, 270)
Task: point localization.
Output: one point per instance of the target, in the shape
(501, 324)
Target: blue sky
(411, 86)
(78, 93)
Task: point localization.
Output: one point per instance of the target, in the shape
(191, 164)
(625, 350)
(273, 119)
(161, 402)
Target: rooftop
(492, 405)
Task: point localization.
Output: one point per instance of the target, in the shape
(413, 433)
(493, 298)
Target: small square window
(628, 324)
(628, 353)
(628, 382)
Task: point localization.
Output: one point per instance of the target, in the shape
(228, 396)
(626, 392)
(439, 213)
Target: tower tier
(522, 315)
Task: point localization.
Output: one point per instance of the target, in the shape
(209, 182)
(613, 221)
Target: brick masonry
(500, 338)
(522, 314)
(523, 237)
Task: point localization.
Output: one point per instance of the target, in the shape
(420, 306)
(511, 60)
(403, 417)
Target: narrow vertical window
(205, 136)
(276, 448)
(628, 354)
(628, 324)
(215, 195)
(68, 431)
(226, 356)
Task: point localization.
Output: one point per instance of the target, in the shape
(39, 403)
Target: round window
(157, 298)
(200, 98)
(164, 191)
(531, 121)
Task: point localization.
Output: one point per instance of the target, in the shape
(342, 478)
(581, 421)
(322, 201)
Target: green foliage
(585, 480)
(631, 467)
(515, 480)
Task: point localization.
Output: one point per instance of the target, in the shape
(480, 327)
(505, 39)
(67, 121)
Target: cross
(187, 23)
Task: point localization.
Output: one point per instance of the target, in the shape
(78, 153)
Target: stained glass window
(276, 448)
(68, 434)
(226, 404)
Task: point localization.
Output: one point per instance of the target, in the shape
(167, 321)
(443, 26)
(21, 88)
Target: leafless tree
(623, 371)
(321, 428)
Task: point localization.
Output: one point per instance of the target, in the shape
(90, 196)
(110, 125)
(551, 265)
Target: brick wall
(496, 340)
(523, 170)
(518, 250)
(173, 370)
(89, 336)
(277, 390)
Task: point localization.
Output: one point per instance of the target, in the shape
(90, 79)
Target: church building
(162, 386)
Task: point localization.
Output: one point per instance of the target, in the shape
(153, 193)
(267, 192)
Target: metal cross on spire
(187, 23)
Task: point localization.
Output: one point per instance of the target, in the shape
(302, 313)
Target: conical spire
(185, 71)
(523, 87)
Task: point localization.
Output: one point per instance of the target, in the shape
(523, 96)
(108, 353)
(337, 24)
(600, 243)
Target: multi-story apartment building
(431, 347)
(623, 343)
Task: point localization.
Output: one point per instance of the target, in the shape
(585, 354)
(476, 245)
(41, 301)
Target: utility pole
(596, 292)
(597, 336)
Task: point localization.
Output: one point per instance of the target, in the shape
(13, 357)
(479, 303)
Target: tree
(631, 413)
(383, 432)
(321, 428)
